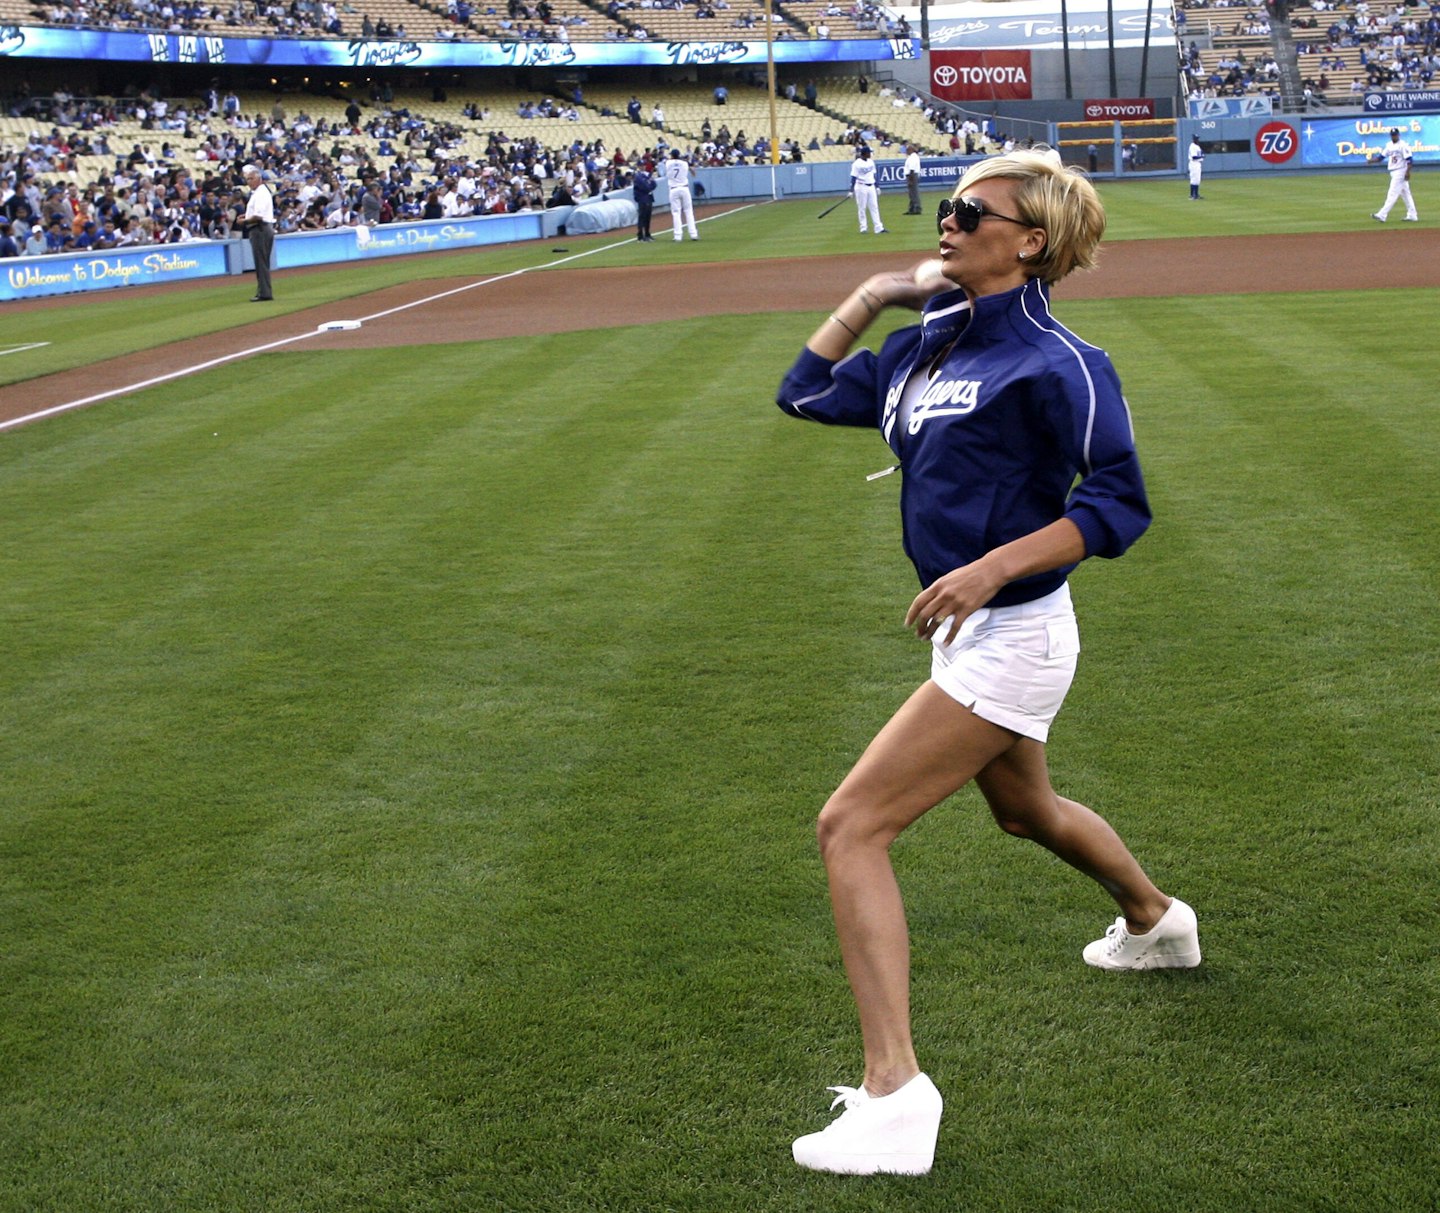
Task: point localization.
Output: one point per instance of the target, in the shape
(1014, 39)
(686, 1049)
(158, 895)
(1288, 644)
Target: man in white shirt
(682, 206)
(1197, 163)
(912, 178)
(259, 222)
(862, 185)
(1397, 157)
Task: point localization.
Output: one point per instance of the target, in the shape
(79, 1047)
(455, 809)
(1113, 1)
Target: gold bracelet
(843, 325)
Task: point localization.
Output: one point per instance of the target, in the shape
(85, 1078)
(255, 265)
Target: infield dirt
(564, 300)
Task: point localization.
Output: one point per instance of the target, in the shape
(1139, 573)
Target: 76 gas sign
(1276, 142)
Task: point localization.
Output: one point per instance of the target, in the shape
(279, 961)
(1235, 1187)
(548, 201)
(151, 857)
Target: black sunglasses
(968, 212)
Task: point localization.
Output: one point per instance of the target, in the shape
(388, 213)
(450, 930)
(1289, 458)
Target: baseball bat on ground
(828, 209)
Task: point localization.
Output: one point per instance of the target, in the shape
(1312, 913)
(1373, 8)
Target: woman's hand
(963, 591)
(955, 596)
(894, 289)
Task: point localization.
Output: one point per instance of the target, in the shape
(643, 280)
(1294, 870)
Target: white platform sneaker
(886, 1135)
(1172, 943)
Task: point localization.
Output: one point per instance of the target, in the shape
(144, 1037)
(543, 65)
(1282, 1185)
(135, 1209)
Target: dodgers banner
(24, 41)
(1329, 141)
(393, 239)
(62, 273)
(1045, 24)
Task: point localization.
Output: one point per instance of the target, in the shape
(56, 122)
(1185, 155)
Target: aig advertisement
(980, 75)
(1329, 141)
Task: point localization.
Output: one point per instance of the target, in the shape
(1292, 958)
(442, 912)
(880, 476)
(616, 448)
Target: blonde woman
(994, 411)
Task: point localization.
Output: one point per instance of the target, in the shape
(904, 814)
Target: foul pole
(770, 85)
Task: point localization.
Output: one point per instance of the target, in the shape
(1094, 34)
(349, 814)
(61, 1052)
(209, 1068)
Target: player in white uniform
(682, 206)
(1397, 161)
(1197, 163)
(862, 185)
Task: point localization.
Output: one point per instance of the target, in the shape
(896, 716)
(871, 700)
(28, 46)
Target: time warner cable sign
(1408, 101)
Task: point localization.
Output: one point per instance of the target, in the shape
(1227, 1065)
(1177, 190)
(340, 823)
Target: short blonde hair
(1054, 197)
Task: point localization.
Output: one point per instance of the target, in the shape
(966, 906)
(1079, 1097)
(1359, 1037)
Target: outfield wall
(1296, 142)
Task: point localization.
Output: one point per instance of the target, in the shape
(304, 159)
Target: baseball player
(862, 185)
(1397, 160)
(682, 206)
(1197, 163)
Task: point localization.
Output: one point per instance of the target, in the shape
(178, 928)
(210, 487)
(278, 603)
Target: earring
(1022, 256)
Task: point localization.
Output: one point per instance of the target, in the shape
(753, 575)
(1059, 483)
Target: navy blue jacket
(644, 187)
(1017, 410)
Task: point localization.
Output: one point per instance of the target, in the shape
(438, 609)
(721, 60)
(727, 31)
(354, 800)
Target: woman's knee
(1024, 816)
(845, 823)
(1016, 824)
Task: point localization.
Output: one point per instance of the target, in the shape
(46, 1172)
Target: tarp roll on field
(602, 216)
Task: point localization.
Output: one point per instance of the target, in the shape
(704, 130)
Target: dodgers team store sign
(980, 75)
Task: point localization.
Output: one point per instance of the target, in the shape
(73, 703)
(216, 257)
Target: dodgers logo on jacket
(944, 398)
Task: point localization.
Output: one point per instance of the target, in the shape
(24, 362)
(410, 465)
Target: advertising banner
(66, 273)
(1119, 109)
(1406, 101)
(63, 273)
(365, 243)
(25, 41)
(1046, 24)
(980, 75)
(1232, 107)
(934, 173)
(1329, 141)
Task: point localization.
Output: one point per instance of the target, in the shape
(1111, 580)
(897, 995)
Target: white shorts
(1012, 665)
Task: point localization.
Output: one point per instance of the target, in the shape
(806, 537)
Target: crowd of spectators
(388, 165)
(292, 19)
(324, 174)
(1233, 74)
(1370, 47)
(1387, 46)
(1236, 73)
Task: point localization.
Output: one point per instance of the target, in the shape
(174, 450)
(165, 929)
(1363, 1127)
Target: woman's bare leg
(1016, 784)
(930, 748)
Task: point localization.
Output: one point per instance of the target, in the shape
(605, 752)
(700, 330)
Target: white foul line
(20, 349)
(274, 345)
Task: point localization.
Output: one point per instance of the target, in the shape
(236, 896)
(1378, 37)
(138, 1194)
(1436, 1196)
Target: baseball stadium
(420, 685)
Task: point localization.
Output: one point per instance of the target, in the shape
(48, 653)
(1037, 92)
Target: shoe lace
(850, 1096)
(1116, 936)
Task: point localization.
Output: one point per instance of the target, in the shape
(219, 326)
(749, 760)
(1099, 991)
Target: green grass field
(410, 775)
